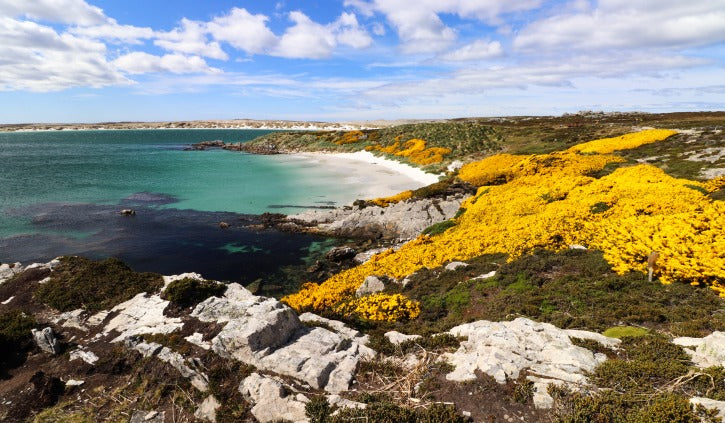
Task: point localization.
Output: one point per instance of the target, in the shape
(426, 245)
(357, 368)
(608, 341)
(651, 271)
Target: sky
(153, 60)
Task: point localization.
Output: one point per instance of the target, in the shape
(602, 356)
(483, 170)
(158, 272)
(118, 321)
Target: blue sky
(112, 60)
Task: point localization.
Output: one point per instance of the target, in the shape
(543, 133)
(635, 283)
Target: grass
(78, 282)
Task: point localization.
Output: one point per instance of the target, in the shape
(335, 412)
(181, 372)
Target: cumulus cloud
(477, 50)
(140, 62)
(629, 24)
(62, 11)
(113, 32)
(190, 38)
(305, 39)
(420, 27)
(243, 31)
(349, 32)
(35, 57)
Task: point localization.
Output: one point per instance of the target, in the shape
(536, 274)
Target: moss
(381, 410)
(94, 285)
(188, 292)
(622, 331)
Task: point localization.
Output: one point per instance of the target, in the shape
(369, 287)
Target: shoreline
(383, 176)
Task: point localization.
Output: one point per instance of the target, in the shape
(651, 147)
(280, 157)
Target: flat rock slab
(272, 400)
(142, 314)
(705, 352)
(503, 349)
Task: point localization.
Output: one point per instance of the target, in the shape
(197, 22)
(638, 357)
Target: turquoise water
(60, 193)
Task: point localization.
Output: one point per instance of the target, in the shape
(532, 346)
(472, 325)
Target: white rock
(73, 382)
(142, 314)
(85, 355)
(338, 327)
(455, 165)
(705, 352)
(503, 349)
(341, 402)
(398, 338)
(98, 318)
(147, 349)
(455, 265)
(709, 404)
(486, 275)
(6, 302)
(577, 247)
(45, 340)
(269, 335)
(189, 369)
(7, 271)
(207, 409)
(198, 339)
(370, 285)
(272, 400)
(71, 319)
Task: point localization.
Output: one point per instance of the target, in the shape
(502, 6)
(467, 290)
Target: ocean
(61, 193)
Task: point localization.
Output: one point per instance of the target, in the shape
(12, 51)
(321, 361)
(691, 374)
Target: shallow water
(60, 193)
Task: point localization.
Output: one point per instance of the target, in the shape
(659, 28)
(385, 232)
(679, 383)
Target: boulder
(504, 349)
(370, 285)
(8, 270)
(710, 404)
(268, 335)
(273, 401)
(340, 254)
(705, 352)
(398, 338)
(141, 314)
(337, 327)
(82, 354)
(207, 409)
(45, 340)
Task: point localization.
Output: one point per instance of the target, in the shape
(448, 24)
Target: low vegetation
(15, 336)
(78, 282)
(189, 292)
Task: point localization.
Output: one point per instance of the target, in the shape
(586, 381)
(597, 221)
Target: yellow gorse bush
(624, 142)
(382, 307)
(715, 184)
(350, 137)
(550, 202)
(414, 149)
(385, 201)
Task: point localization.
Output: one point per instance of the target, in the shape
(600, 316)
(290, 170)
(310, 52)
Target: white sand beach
(365, 176)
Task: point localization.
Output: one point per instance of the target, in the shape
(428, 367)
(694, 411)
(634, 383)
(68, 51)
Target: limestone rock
(398, 338)
(207, 409)
(272, 400)
(140, 315)
(141, 416)
(503, 349)
(87, 356)
(269, 335)
(404, 220)
(486, 275)
(370, 285)
(341, 402)
(709, 404)
(705, 352)
(173, 278)
(7, 271)
(339, 328)
(455, 265)
(198, 339)
(45, 340)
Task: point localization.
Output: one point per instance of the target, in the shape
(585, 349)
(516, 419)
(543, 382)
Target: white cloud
(140, 62)
(477, 50)
(305, 39)
(192, 39)
(378, 29)
(629, 24)
(349, 32)
(35, 57)
(113, 32)
(419, 26)
(243, 31)
(64, 11)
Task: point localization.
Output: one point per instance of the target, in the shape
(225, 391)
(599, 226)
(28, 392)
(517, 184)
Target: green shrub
(15, 334)
(94, 285)
(622, 331)
(188, 292)
(439, 228)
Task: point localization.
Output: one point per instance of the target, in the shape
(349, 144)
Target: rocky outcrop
(141, 314)
(504, 349)
(710, 404)
(8, 270)
(397, 338)
(370, 285)
(272, 400)
(269, 335)
(45, 340)
(207, 409)
(705, 352)
(402, 221)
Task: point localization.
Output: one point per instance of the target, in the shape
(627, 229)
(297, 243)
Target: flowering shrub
(381, 307)
(550, 202)
(715, 184)
(350, 137)
(414, 149)
(624, 142)
(385, 201)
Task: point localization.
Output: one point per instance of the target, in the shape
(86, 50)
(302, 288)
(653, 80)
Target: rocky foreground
(278, 362)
